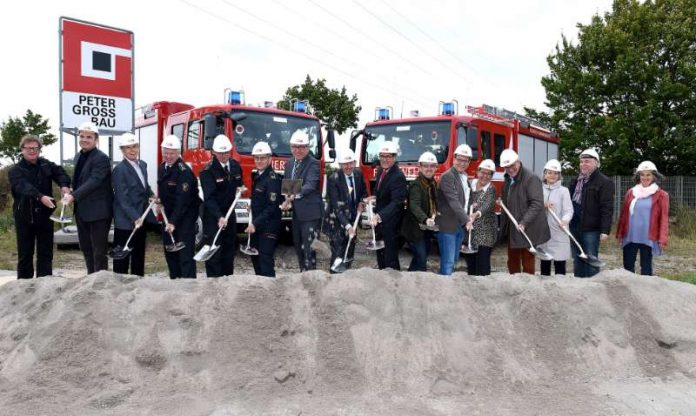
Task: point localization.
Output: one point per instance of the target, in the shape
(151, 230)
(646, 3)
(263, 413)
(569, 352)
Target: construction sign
(96, 76)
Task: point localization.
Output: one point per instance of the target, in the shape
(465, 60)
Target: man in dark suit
(307, 206)
(390, 195)
(220, 179)
(452, 199)
(178, 193)
(131, 194)
(31, 181)
(93, 198)
(346, 189)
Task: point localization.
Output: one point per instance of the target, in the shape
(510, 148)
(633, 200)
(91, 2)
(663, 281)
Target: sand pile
(363, 343)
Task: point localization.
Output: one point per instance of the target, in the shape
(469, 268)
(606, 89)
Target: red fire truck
(245, 125)
(486, 129)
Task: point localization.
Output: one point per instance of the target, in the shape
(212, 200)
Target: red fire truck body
(487, 130)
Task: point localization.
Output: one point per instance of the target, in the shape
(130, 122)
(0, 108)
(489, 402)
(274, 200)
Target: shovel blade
(249, 251)
(205, 253)
(593, 261)
(375, 245)
(468, 250)
(540, 254)
(338, 266)
(172, 248)
(61, 220)
(120, 253)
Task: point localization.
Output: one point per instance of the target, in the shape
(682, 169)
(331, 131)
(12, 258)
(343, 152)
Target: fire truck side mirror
(472, 137)
(209, 130)
(353, 140)
(332, 154)
(331, 138)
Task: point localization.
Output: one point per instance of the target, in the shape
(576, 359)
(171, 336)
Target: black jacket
(265, 202)
(178, 192)
(219, 189)
(339, 196)
(29, 183)
(596, 210)
(94, 197)
(390, 196)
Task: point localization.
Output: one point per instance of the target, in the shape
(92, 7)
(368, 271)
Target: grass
(687, 277)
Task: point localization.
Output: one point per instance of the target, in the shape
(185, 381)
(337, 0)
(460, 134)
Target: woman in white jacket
(557, 198)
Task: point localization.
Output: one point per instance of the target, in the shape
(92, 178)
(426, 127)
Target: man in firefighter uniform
(265, 211)
(219, 180)
(31, 184)
(178, 194)
(346, 189)
(307, 206)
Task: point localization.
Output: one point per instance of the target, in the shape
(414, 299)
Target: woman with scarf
(419, 221)
(482, 222)
(556, 198)
(643, 223)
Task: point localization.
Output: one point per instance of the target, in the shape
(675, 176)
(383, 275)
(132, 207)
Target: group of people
(455, 208)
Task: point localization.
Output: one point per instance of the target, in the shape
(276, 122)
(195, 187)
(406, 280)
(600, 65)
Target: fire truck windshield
(412, 140)
(276, 130)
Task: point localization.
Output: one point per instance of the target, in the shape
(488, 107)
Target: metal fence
(681, 190)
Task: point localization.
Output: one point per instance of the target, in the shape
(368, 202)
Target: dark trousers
(265, 243)
(39, 235)
(303, 233)
(135, 262)
(389, 255)
(520, 260)
(420, 250)
(222, 262)
(589, 240)
(479, 263)
(338, 248)
(559, 267)
(94, 242)
(181, 263)
(630, 252)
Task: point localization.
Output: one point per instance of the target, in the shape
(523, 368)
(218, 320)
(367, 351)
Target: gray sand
(362, 343)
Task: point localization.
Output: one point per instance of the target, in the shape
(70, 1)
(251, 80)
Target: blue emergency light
(383, 114)
(235, 97)
(299, 106)
(447, 109)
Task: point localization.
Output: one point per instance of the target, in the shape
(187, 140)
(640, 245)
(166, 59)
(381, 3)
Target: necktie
(352, 193)
(381, 178)
(227, 169)
(166, 169)
(294, 168)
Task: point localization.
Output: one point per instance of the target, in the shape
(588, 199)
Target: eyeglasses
(296, 146)
(462, 159)
(386, 156)
(31, 149)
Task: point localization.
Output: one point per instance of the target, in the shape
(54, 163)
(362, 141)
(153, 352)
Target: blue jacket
(130, 196)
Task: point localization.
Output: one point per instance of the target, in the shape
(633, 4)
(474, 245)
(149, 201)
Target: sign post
(96, 77)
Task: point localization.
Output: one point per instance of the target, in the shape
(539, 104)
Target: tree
(628, 87)
(15, 128)
(332, 106)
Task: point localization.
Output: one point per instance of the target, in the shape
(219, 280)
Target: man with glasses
(390, 194)
(307, 206)
(93, 198)
(452, 200)
(31, 185)
(523, 194)
(265, 211)
(220, 179)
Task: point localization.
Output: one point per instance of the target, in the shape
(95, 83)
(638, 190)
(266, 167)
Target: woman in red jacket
(643, 223)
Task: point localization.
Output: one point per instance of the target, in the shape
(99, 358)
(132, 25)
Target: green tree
(628, 87)
(332, 106)
(15, 128)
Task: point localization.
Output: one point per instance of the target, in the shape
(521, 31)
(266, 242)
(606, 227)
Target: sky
(406, 54)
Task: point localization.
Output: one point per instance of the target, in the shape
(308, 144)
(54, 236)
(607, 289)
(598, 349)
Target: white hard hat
(261, 149)
(388, 147)
(508, 157)
(487, 164)
(646, 166)
(553, 165)
(463, 150)
(221, 144)
(300, 137)
(427, 157)
(88, 126)
(590, 153)
(346, 156)
(171, 142)
(127, 139)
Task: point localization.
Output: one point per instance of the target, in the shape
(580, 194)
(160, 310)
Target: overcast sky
(407, 54)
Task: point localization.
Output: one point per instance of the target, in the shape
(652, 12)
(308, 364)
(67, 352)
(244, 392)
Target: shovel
(538, 252)
(375, 244)
(589, 259)
(120, 253)
(174, 246)
(62, 219)
(248, 249)
(339, 265)
(467, 249)
(207, 251)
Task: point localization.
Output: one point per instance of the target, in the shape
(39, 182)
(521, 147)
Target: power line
(299, 52)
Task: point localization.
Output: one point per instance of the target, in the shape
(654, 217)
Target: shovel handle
(369, 216)
(142, 218)
(350, 237)
(567, 231)
(514, 221)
